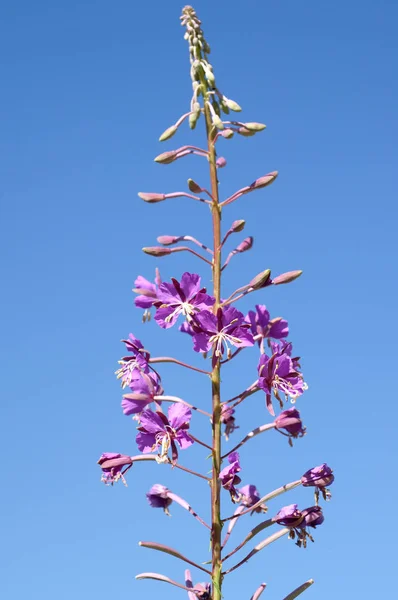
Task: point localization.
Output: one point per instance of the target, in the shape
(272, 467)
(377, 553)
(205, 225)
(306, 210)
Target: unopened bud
(151, 198)
(254, 126)
(193, 119)
(156, 251)
(194, 187)
(232, 105)
(237, 226)
(217, 122)
(166, 158)
(166, 135)
(210, 78)
(245, 132)
(245, 245)
(261, 280)
(168, 240)
(286, 277)
(263, 181)
(221, 162)
(227, 133)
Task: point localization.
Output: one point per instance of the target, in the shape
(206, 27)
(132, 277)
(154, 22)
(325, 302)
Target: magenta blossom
(290, 421)
(144, 389)
(156, 431)
(229, 478)
(313, 516)
(262, 325)
(249, 496)
(181, 298)
(201, 591)
(226, 328)
(289, 516)
(158, 497)
(228, 420)
(320, 477)
(279, 373)
(112, 465)
(147, 293)
(132, 366)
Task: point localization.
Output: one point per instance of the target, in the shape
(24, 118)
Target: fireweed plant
(219, 332)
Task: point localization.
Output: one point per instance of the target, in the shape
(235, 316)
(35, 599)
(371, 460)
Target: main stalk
(215, 375)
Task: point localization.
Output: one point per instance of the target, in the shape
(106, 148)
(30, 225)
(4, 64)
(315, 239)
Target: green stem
(215, 376)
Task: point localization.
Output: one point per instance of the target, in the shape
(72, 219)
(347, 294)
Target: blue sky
(87, 89)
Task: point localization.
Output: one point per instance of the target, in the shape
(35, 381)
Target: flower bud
(261, 280)
(156, 251)
(193, 119)
(263, 181)
(320, 477)
(151, 198)
(166, 135)
(221, 162)
(286, 277)
(194, 187)
(227, 133)
(168, 240)
(237, 226)
(166, 157)
(232, 105)
(217, 122)
(245, 245)
(245, 132)
(254, 126)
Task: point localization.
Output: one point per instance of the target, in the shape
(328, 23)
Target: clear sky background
(87, 88)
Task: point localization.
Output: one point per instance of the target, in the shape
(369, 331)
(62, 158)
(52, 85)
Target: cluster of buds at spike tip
(202, 75)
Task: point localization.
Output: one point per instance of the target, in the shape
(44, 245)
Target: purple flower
(228, 420)
(262, 325)
(181, 298)
(289, 516)
(156, 431)
(147, 293)
(290, 421)
(229, 478)
(112, 465)
(313, 516)
(158, 497)
(201, 591)
(320, 477)
(218, 331)
(132, 366)
(249, 496)
(144, 389)
(279, 373)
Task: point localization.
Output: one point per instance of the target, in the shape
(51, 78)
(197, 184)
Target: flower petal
(179, 415)
(184, 440)
(190, 284)
(151, 422)
(145, 442)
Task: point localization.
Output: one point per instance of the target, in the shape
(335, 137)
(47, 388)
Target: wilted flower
(319, 477)
(144, 389)
(158, 497)
(289, 516)
(218, 331)
(228, 420)
(229, 478)
(290, 421)
(249, 496)
(262, 325)
(313, 516)
(181, 298)
(112, 465)
(157, 431)
(279, 373)
(132, 366)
